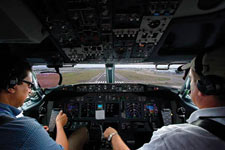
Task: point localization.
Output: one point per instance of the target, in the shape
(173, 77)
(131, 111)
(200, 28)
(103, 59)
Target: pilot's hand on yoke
(117, 143)
(109, 131)
(61, 119)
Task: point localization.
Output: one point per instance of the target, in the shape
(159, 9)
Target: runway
(101, 78)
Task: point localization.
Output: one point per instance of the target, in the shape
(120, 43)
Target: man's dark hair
(13, 71)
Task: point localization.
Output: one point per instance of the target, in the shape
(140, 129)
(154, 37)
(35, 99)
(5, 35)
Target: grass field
(135, 76)
(80, 76)
(131, 76)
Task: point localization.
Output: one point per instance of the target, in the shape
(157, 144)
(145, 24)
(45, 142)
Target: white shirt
(187, 136)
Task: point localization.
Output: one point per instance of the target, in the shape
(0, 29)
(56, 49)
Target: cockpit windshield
(123, 73)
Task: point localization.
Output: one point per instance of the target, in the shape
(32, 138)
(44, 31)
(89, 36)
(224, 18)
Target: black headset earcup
(201, 86)
(12, 82)
(210, 85)
(12, 79)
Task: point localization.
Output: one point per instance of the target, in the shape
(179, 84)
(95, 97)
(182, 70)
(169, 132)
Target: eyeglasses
(30, 84)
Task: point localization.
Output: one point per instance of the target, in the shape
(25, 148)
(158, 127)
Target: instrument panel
(111, 109)
(112, 102)
(110, 106)
(132, 109)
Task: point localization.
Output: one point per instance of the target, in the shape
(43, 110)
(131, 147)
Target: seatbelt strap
(211, 126)
(5, 119)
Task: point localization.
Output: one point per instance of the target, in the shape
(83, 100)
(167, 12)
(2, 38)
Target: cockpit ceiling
(110, 31)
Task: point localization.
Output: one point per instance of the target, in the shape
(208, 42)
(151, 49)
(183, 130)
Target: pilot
(205, 127)
(18, 131)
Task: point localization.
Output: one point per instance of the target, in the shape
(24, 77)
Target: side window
(46, 77)
(48, 80)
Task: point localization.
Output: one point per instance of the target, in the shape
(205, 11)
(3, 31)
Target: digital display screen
(71, 107)
(112, 109)
(99, 106)
(150, 108)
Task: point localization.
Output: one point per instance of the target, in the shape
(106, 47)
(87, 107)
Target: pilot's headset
(208, 84)
(12, 78)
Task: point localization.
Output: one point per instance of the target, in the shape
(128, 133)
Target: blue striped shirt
(23, 133)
